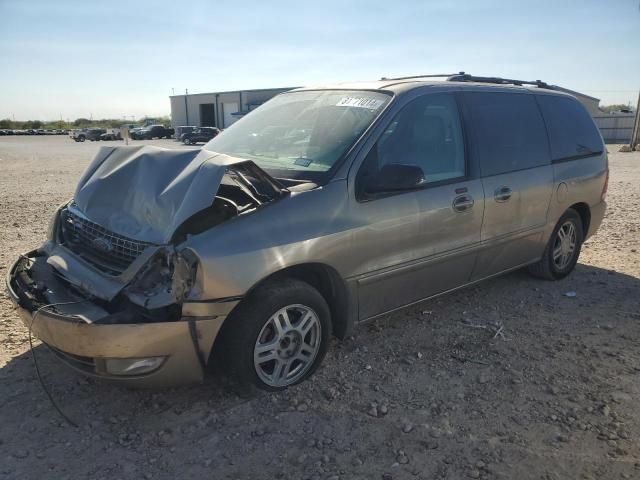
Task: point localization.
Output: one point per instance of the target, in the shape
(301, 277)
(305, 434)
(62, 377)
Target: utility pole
(635, 133)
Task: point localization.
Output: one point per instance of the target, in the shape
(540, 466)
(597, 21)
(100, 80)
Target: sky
(69, 59)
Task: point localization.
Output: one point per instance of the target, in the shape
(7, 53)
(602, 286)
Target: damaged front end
(113, 291)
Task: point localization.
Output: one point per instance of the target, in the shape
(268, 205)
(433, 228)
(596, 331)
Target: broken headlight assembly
(167, 279)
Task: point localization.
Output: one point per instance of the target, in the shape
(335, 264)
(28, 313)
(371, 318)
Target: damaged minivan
(320, 209)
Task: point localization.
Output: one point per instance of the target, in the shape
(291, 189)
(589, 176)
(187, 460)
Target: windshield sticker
(303, 162)
(360, 102)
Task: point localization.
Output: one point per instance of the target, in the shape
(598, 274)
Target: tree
(6, 123)
(79, 122)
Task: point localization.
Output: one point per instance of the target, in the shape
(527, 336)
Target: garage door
(227, 109)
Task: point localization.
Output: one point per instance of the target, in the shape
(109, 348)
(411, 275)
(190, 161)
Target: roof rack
(432, 75)
(464, 77)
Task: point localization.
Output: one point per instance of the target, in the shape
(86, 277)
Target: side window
(426, 134)
(508, 132)
(571, 130)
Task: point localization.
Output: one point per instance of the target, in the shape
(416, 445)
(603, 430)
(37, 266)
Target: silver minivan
(323, 208)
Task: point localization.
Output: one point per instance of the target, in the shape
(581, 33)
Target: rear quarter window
(571, 130)
(508, 131)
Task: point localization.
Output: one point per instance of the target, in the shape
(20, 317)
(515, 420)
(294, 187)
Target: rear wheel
(277, 337)
(562, 251)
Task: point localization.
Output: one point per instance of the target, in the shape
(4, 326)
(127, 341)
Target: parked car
(111, 134)
(92, 134)
(151, 132)
(322, 209)
(199, 135)
(182, 129)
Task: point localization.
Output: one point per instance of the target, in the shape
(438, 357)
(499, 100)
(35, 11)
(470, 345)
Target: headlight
(132, 366)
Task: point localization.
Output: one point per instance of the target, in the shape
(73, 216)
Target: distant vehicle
(182, 129)
(92, 134)
(111, 134)
(151, 132)
(133, 131)
(4, 132)
(199, 135)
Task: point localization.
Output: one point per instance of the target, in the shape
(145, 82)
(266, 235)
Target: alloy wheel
(287, 345)
(564, 247)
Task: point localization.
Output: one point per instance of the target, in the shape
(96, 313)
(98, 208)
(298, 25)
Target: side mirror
(395, 177)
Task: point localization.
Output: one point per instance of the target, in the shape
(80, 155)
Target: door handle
(502, 194)
(463, 203)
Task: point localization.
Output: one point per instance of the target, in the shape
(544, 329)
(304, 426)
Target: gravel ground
(418, 394)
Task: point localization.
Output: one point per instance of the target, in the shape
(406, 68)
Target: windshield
(301, 134)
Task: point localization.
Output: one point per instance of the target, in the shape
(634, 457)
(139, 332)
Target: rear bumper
(597, 214)
(87, 346)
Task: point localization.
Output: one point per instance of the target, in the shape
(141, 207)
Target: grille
(107, 251)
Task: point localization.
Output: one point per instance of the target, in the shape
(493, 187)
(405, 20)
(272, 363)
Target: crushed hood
(146, 192)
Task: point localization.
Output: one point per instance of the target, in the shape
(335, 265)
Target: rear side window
(508, 132)
(571, 130)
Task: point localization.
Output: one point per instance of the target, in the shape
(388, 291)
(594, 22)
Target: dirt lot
(420, 394)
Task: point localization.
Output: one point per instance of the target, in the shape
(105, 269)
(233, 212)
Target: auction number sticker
(360, 102)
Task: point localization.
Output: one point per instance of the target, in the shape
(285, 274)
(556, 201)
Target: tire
(187, 141)
(81, 139)
(248, 349)
(551, 268)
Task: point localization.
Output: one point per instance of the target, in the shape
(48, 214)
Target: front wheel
(277, 337)
(562, 252)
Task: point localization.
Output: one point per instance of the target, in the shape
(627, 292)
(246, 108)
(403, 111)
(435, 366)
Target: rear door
(512, 149)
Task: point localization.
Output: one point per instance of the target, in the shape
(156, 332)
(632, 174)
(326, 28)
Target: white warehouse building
(217, 109)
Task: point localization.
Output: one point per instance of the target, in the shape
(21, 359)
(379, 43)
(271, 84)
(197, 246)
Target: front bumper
(86, 346)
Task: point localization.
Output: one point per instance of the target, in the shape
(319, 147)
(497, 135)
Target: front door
(512, 149)
(418, 242)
